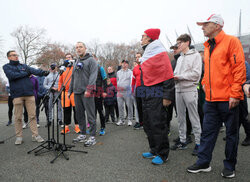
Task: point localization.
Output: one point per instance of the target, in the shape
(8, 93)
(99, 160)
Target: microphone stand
(50, 143)
(63, 147)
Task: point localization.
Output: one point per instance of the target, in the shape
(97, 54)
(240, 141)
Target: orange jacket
(225, 70)
(63, 79)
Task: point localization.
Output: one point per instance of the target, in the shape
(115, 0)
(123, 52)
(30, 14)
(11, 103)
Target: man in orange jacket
(64, 80)
(225, 72)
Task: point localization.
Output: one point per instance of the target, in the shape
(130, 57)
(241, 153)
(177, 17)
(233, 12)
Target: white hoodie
(188, 70)
(124, 80)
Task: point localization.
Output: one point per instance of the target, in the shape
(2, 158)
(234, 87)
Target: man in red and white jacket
(157, 93)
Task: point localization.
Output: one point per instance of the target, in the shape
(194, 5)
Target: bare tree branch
(30, 42)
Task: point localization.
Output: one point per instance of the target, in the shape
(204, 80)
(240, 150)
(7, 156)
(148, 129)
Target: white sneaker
(91, 141)
(80, 138)
(120, 122)
(18, 141)
(130, 123)
(25, 125)
(38, 125)
(37, 138)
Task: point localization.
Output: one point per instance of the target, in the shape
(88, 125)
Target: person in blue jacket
(101, 84)
(40, 97)
(21, 90)
(243, 112)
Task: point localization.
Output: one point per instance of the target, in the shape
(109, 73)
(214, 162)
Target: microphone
(71, 62)
(79, 65)
(62, 68)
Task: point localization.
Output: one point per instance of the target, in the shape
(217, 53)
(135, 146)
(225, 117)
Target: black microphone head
(61, 72)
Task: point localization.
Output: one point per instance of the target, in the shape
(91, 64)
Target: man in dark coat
(21, 90)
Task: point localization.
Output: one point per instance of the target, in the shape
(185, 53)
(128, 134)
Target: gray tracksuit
(47, 84)
(188, 70)
(124, 80)
(84, 79)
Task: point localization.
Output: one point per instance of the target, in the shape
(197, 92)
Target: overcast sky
(69, 21)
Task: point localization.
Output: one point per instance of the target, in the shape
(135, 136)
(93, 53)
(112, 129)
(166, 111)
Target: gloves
(45, 73)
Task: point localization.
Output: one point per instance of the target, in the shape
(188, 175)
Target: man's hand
(69, 95)
(176, 78)
(87, 94)
(166, 102)
(104, 94)
(246, 88)
(45, 73)
(233, 102)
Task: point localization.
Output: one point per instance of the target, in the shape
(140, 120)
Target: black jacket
(110, 99)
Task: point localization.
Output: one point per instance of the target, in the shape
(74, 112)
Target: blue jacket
(18, 75)
(41, 89)
(101, 82)
(247, 70)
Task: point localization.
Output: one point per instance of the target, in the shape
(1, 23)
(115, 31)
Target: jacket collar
(218, 38)
(14, 62)
(190, 51)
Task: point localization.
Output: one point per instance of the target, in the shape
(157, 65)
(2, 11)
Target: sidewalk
(116, 157)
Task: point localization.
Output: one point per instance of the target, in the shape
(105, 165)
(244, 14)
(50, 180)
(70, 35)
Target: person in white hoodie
(187, 75)
(124, 80)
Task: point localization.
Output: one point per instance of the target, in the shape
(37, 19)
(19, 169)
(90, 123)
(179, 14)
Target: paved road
(116, 157)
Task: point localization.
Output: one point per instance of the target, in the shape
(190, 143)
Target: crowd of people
(205, 88)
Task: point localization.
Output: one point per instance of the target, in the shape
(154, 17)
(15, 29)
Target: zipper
(234, 58)
(210, 79)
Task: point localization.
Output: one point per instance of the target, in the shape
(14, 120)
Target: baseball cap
(53, 66)
(174, 46)
(215, 18)
(126, 61)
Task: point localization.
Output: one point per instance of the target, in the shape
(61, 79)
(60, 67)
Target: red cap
(153, 33)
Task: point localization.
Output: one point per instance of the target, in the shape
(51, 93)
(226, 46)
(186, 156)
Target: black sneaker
(195, 151)
(226, 173)
(246, 142)
(9, 123)
(188, 140)
(199, 168)
(179, 145)
(137, 126)
(176, 140)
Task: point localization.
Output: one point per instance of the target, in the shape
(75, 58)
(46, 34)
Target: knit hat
(153, 33)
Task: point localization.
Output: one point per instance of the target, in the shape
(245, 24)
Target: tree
(94, 46)
(1, 46)
(30, 42)
(112, 54)
(53, 53)
(2, 88)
